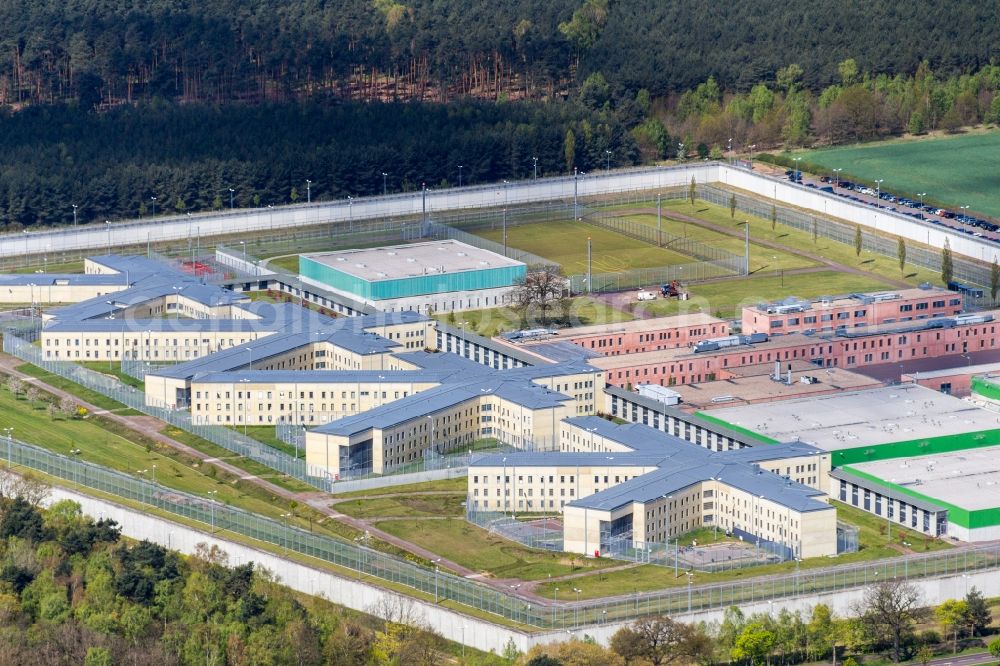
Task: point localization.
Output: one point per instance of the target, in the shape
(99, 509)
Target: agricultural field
(565, 243)
(956, 170)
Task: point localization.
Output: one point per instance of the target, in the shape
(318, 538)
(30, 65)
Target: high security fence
(442, 586)
(136, 399)
(844, 232)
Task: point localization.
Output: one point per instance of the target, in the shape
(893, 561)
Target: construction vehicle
(673, 290)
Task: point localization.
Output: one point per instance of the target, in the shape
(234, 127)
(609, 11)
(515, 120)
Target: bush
(930, 637)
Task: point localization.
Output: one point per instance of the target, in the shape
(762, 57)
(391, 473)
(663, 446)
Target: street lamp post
(836, 173)
(232, 204)
(752, 146)
(211, 506)
(608, 160)
(153, 199)
(385, 187)
(535, 160)
(878, 188)
(921, 195)
(107, 223)
(350, 214)
(244, 386)
(798, 171)
(460, 167)
(74, 214)
(308, 191)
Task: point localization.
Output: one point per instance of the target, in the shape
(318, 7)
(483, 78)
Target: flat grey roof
(862, 418)
(412, 260)
(969, 479)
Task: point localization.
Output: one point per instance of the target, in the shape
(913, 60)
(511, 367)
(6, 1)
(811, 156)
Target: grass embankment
(112, 445)
(93, 397)
(475, 548)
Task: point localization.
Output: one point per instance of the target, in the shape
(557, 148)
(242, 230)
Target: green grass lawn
(405, 506)
(115, 370)
(565, 243)
(793, 240)
(246, 464)
(473, 547)
(289, 262)
(874, 546)
(582, 311)
(960, 170)
(267, 435)
(52, 266)
(761, 258)
(725, 298)
(83, 393)
(458, 485)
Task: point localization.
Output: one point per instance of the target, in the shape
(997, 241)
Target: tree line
(74, 591)
(858, 106)
(883, 622)
(165, 158)
(104, 54)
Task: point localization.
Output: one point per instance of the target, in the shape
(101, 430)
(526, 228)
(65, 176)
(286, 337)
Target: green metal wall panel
(487, 278)
(962, 517)
(986, 388)
(916, 447)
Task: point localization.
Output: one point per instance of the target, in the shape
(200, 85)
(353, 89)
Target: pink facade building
(846, 348)
(853, 311)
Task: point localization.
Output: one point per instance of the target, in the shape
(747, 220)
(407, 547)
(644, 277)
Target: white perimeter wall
(134, 232)
(453, 625)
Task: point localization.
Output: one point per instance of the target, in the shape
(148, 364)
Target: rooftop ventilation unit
(884, 296)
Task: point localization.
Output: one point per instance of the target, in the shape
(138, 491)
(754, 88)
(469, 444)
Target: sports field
(565, 243)
(956, 170)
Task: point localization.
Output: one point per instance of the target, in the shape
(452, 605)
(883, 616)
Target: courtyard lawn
(565, 243)
(725, 298)
(458, 485)
(797, 240)
(954, 170)
(405, 506)
(475, 548)
(761, 258)
(581, 310)
(874, 545)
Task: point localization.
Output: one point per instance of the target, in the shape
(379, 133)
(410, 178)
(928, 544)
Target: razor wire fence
(387, 569)
(844, 232)
(129, 396)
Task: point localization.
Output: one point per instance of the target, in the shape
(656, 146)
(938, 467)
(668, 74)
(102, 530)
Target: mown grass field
(583, 311)
(958, 170)
(726, 298)
(565, 243)
(762, 259)
(473, 547)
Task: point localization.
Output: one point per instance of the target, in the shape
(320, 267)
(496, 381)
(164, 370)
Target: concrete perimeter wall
(136, 232)
(455, 626)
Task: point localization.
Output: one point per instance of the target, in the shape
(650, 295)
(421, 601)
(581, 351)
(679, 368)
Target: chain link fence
(887, 245)
(472, 594)
(136, 399)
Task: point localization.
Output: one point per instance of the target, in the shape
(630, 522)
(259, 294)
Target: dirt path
(826, 264)
(150, 427)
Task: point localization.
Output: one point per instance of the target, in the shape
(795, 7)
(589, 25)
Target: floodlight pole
(590, 266)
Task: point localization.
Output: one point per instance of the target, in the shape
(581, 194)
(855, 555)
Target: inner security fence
(376, 567)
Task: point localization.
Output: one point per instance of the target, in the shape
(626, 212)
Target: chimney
(789, 374)
(777, 371)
